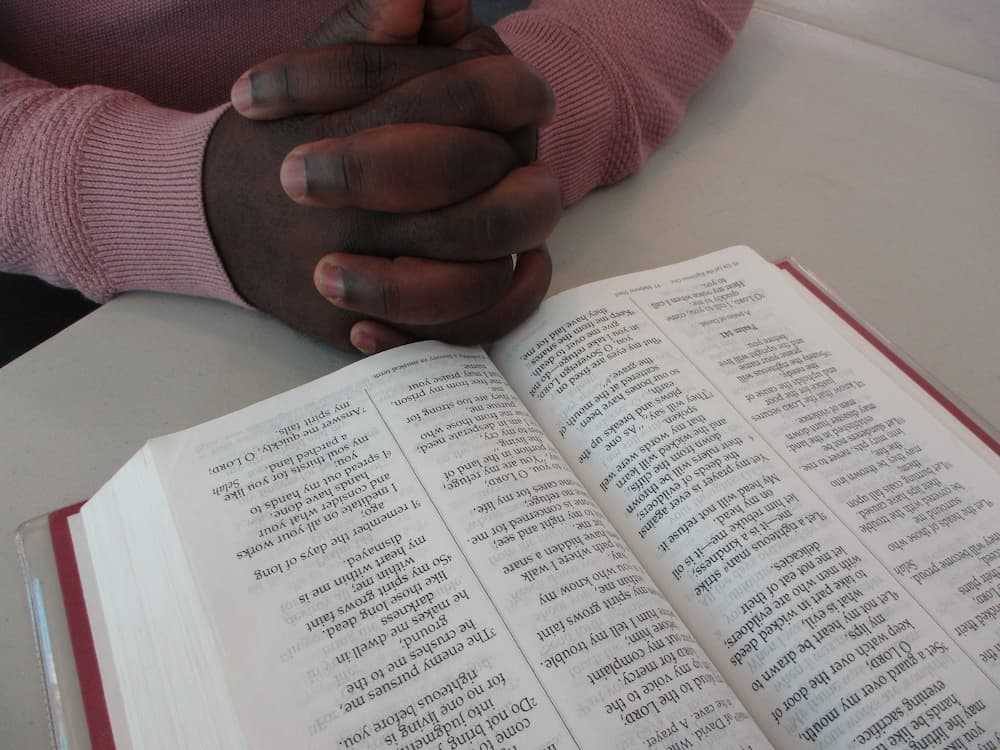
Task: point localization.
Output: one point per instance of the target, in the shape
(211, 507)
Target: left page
(395, 555)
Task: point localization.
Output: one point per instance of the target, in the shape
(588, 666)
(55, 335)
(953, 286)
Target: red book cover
(80, 634)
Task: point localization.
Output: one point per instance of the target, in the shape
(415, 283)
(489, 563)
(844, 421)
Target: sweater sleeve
(622, 73)
(100, 190)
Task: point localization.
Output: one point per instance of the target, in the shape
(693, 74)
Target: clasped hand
(372, 187)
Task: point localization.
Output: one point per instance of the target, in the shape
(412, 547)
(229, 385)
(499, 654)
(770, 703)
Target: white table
(878, 169)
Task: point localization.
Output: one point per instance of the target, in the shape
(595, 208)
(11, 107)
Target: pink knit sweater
(106, 106)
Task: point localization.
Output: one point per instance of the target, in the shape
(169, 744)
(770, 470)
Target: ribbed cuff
(139, 206)
(576, 145)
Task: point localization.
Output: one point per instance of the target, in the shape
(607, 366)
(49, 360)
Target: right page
(835, 547)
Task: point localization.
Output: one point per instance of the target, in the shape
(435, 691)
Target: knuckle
(284, 85)
(485, 39)
(393, 108)
(372, 65)
(358, 12)
(331, 68)
(464, 96)
(389, 298)
(343, 61)
(334, 125)
(498, 228)
(350, 172)
(349, 121)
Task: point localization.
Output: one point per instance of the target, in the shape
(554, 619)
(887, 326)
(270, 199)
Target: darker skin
(405, 168)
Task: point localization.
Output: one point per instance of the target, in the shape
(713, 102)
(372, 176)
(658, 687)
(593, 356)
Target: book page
(980, 437)
(396, 556)
(819, 531)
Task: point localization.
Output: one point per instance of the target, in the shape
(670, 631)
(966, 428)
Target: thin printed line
(878, 561)
(472, 568)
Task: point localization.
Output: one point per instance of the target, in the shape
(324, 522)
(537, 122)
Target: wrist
(139, 192)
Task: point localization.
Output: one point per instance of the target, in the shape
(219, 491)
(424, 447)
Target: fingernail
(330, 282)
(242, 94)
(363, 341)
(293, 176)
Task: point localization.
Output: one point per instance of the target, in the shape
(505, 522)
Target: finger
(532, 277)
(516, 215)
(411, 290)
(437, 22)
(400, 84)
(483, 39)
(326, 80)
(404, 168)
(372, 337)
(446, 21)
(372, 21)
(498, 93)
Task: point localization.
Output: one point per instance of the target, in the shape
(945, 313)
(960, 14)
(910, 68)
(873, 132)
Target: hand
(409, 165)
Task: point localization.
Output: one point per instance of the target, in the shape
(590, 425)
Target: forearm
(101, 191)
(623, 74)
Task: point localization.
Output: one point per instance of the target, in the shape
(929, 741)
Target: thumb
(440, 22)
(447, 21)
(372, 22)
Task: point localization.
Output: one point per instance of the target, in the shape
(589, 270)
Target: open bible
(685, 508)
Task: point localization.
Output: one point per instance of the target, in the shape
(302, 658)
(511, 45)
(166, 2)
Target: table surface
(853, 143)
